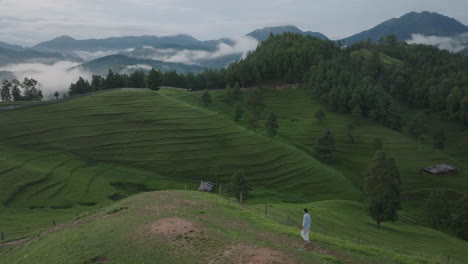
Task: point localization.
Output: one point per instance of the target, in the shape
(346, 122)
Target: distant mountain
(9, 46)
(264, 33)
(66, 43)
(8, 56)
(121, 63)
(424, 23)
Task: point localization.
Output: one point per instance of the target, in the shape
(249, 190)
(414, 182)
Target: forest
(370, 79)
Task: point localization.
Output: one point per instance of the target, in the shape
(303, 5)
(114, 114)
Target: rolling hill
(298, 127)
(424, 23)
(122, 63)
(9, 56)
(65, 158)
(194, 227)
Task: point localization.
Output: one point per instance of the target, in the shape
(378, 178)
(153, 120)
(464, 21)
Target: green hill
(298, 127)
(194, 227)
(69, 157)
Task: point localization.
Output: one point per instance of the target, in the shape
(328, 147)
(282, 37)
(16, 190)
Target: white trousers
(305, 234)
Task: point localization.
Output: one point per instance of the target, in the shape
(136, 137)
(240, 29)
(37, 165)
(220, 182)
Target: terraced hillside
(93, 150)
(295, 110)
(194, 227)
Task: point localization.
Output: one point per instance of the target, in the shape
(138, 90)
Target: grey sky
(27, 22)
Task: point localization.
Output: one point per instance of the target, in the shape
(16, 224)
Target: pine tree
(383, 188)
(460, 223)
(56, 95)
(271, 125)
(229, 94)
(437, 210)
(238, 113)
(5, 92)
(319, 115)
(238, 185)
(153, 80)
(439, 138)
(325, 146)
(236, 92)
(255, 106)
(206, 98)
(377, 144)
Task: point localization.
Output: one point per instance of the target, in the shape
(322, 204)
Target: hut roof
(440, 169)
(206, 186)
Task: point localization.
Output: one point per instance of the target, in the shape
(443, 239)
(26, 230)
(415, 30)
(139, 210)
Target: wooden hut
(440, 169)
(206, 186)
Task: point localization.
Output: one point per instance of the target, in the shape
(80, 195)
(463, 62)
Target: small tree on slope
(239, 185)
(383, 188)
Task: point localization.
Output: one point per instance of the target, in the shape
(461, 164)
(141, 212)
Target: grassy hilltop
(193, 227)
(66, 161)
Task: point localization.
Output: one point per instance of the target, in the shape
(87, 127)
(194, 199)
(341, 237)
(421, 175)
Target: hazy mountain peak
(424, 23)
(264, 33)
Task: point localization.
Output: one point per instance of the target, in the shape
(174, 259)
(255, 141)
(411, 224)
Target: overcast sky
(27, 22)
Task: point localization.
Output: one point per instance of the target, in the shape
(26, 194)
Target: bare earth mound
(174, 226)
(250, 255)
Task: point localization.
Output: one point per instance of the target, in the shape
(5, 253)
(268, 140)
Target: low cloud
(453, 44)
(242, 45)
(52, 78)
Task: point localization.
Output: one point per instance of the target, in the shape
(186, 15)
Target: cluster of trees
(367, 79)
(447, 218)
(153, 79)
(27, 90)
(138, 79)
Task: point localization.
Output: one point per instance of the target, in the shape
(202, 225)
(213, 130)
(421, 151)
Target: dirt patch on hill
(172, 227)
(250, 255)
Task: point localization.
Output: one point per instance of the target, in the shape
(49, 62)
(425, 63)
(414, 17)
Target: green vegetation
(299, 128)
(382, 187)
(183, 227)
(87, 152)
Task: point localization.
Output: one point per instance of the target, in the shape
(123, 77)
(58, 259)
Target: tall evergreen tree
(271, 124)
(56, 95)
(229, 94)
(15, 90)
(153, 80)
(319, 115)
(439, 138)
(382, 186)
(325, 146)
(238, 113)
(238, 185)
(206, 98)
(255, 106)
(5, 92)
(437, 210)
(460, 223)
(137, 79)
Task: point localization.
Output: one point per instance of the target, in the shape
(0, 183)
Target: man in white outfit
(306, 222)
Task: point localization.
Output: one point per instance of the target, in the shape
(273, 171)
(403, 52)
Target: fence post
(185, 186)
(3, 236)
(240, 200)
(448, 259)
(220, 186)
(266, 209)
(288, 219)
(53, 222)
(358, 238)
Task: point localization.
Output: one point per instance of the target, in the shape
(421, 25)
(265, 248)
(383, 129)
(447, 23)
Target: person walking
(306, 223)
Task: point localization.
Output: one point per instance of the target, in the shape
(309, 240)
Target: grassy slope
(69, 156)
(295, 110)
(212, 225)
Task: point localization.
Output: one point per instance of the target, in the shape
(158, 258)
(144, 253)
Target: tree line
(14, 90)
